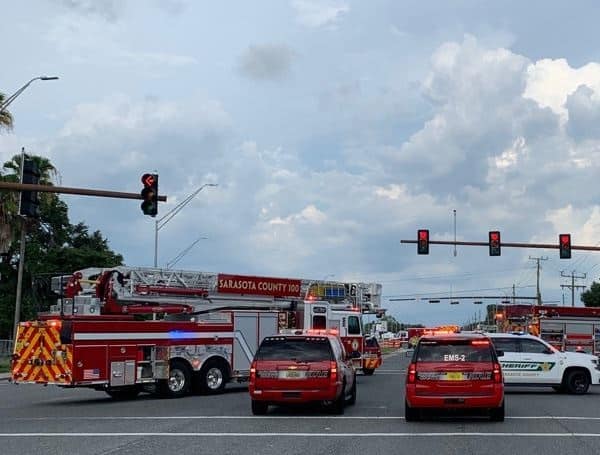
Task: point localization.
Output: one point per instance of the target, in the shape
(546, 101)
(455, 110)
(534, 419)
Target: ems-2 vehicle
(454, 371)
(531, 362)
(302, 367)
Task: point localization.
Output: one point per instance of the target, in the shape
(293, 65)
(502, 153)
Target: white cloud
(314, 14)
(550, 82)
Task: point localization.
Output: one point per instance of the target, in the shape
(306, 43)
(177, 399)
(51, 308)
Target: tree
(6, 119)
(591, 297)
(53, 247)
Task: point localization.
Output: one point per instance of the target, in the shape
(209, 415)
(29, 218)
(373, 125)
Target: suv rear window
(312, 349)
(453, 351)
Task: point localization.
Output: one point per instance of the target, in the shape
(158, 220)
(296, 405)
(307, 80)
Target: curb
(4, 376)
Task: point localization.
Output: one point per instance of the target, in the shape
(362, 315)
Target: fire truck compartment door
(250, 329)
(89, 363)
(122, 373)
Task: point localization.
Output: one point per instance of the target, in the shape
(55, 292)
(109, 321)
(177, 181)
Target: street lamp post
(17, 315)
(182, 253)
(160, 223)
(12, 97)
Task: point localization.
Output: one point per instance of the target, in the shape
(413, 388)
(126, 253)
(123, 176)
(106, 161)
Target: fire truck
(126, 330)
(566, 328)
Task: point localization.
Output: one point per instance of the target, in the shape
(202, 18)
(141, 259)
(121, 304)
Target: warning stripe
(43, 344)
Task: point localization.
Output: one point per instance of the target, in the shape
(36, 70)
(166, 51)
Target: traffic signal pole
(69, 190)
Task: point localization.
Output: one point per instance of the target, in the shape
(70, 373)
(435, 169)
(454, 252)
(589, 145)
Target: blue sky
(334, 129)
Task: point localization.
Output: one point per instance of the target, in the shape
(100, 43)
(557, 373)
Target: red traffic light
(564, 244)
(148, 179)
(494, 243)
(423, 241)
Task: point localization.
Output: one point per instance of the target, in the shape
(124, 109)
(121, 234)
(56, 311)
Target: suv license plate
(454, 376)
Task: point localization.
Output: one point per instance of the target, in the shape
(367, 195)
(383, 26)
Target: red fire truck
(127, 330)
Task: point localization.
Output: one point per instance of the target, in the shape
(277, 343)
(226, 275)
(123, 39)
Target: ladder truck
(126, 330)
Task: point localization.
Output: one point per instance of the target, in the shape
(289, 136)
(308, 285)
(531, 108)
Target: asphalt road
(49, 420)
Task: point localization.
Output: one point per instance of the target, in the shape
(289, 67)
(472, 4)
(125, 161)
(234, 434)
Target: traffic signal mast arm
(507, 244)
(69, 190)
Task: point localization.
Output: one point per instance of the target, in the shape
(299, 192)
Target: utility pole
(17, 315)
(538, 294)
(572, 286)
(513, 296)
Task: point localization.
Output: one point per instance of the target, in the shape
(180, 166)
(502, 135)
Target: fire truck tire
(178, 384)
(577, 381)
(352, 398)
(214, 375)
(123, 393)
(368, 371)
(259, 408)
(411, 414)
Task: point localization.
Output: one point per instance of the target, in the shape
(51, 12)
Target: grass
(4, 365)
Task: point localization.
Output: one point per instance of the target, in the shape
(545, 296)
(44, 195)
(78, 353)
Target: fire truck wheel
(123, 393)
(368, 371)
(213, 376)
(259, 408)
(352, 399)
(178, 384)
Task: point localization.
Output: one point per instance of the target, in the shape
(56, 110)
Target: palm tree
(9, 201)
(6, 120)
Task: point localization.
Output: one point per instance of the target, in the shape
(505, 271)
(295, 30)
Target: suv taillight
(333, 371)
(412, 374)
(253, 372)
(497, 374)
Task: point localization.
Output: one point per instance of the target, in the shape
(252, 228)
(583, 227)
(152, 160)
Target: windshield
(295, 349)
(453, 351)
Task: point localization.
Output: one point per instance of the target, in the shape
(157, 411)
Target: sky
(334, 130)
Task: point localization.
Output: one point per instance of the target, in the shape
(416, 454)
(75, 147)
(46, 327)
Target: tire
(497, 414)
(411, 414)
(338, 405)
(214, 376)
(179, 382)
(259, 408)
(352, 399)
(577, 382)
(123, 393)
(368, 371)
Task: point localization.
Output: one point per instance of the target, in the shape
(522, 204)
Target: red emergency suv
(302, 367)
(458, 371)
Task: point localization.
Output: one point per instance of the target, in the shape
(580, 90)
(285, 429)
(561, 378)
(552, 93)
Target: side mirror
(499, 353)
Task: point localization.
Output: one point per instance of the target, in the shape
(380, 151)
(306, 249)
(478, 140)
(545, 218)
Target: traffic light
(564, 243)
(30, 203)
(423, 241)
(494, 237)
(150, 194)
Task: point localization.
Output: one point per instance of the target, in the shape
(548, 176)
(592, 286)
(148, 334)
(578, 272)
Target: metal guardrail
(6, 348)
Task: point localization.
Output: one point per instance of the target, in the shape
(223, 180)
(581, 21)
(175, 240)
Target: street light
(19, 291)
(182, 253)
(160, 223)
(12, 97)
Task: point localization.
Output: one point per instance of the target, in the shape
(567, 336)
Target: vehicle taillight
(253, 372)
(497, 374)
(54, 323)
(412, 374)
(333, 371)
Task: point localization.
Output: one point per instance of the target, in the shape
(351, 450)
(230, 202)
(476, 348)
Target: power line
(573, 286)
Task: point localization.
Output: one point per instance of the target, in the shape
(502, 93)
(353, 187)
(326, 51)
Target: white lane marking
(278, 417)
(304, 435)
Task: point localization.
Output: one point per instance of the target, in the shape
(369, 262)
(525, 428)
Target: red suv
(458, 371)
(301, 368)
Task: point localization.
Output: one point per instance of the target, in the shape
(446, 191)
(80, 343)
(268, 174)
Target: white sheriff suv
(531, 362)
